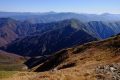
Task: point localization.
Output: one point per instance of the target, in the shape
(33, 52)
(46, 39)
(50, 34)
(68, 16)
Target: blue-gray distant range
(53, 16)
(39, 34)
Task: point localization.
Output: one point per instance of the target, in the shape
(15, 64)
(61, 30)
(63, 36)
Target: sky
(78, 6)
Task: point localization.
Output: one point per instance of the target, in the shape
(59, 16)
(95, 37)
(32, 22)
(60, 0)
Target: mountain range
(91, 61)
(74, 56)
(84, 45)
(54, 16)
(46, 38)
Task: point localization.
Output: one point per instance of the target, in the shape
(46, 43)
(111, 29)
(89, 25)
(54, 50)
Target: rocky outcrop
(108, 72)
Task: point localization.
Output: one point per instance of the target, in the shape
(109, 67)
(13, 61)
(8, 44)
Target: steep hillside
(91, 61)
(6, 31)
(102, 30)
(72, 33)
(11, 29)
(106, 51)
(46, 38)
(50, 37)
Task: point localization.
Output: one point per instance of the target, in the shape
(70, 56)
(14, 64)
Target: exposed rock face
(108, 72)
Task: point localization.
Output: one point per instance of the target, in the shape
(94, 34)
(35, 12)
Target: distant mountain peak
(74, 23)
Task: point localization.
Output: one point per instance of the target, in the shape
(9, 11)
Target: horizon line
(57, 12)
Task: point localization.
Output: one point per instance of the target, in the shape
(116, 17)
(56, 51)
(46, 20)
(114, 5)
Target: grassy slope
(15, 75)
(10, 62)
(84, 60)
(6, 74)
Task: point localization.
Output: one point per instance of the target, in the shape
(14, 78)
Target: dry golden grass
(85, 59)
(21, 76)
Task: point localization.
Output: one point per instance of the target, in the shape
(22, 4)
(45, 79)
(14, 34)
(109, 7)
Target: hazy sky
(79, 6)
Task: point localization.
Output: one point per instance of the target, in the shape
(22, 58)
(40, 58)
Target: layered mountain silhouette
(47, 38)
(80, 57)
(87, 46)
(11, 29)
(58, 36)
(53, 16)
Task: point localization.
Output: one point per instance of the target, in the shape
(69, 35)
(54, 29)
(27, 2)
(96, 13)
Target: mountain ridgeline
(65, 46)
(28, 39)
(53, 16)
